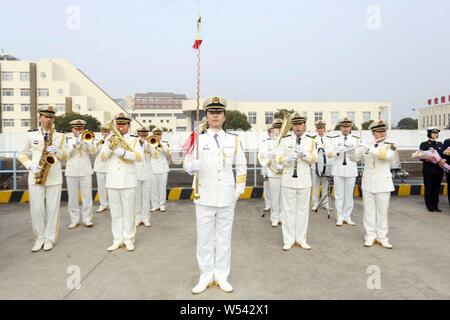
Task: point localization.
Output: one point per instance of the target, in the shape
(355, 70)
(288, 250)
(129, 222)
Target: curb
(175, 194)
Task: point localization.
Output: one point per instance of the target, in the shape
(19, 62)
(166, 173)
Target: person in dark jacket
(446, 151)
(432, 172)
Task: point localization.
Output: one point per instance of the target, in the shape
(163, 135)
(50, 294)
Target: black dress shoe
(438, 210)
(430, 210)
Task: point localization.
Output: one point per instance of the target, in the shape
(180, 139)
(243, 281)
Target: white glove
(364, 145)
(195, 166)
(279, 167)
(292, 157)
(340, 149)
(35, 168)
(119, 152)
(52, 149)
(298, 149)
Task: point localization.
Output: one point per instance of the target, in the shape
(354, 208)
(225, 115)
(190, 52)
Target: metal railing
(252, 165)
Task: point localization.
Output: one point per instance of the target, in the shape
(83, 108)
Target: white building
(436, 113)
(26, 86)
(260, 114)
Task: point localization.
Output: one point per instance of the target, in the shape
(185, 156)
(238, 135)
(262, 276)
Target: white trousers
(44, 209)
(214, 227)
(266, 188)
(343, 192)
(84, 186)
(101, 186)
(376, 207)
(142, 206)
(121, 206)
(295, 207)
(317, 192)
(158, 190)
(275, 199)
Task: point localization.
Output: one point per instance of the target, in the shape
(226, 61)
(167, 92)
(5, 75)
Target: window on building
(7, 92)
(252, 117)
(42, 93)
(351, 115)
(7, 76)
(366, 116)
(167, 121)
(24, 76)
(24, 92)
(162, 121)
(164, 115)
(334, 117)
(144, 121)
(25, 107)
(181, 129)
(269, 117)
(149, 121)
(60, 107)
(7, 107)
(8, 122)
(147, 115)
(25, 122)
(180, 116)
(318, 115)
(439, 120)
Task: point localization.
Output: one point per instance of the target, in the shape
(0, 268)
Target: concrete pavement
(164, 264)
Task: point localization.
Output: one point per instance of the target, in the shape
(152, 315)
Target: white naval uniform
(266, 158)
(344, 176)
(376, 187)
(100, 169)
(160, 171)
(296, 192)
(320, 184)
(44, 199)
(144, 176)
(79, 179)
(215, 208)
(266, 188)
(121, 184)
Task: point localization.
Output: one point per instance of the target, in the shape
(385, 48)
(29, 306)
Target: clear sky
(326, 50)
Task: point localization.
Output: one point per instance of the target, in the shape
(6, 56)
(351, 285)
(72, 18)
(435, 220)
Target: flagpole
(197, 44)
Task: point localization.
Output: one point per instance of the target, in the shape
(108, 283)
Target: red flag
(198, 40)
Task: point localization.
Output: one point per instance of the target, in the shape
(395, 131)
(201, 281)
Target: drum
(321, 165)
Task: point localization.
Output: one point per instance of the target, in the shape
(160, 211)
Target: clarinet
(344, 162)
(294, 175)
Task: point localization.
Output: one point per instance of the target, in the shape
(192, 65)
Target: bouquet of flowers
(433, 157)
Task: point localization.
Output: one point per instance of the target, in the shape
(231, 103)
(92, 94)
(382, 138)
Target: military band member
(160, 155)
(267, 157)
(320, 183)
(376, 184)
(264, 173)
(100, 169)
(45, 193)
(121, 182)
(144, 175)
(432, 172)
(79, 175)
(296, 153)
(218, 152)
(344, 172)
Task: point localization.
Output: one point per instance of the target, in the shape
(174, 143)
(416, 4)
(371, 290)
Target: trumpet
(87, 136)
(154, 141)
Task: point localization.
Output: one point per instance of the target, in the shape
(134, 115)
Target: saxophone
(46, 161)
(117, 141)
(285, 127)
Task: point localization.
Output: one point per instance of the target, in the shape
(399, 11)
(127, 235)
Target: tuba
(117, 140)
(46, 161)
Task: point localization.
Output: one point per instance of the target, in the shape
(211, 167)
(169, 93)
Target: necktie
(376, 145)
(344, 162)
(217, 140)
(321, 139)
(45, 137)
